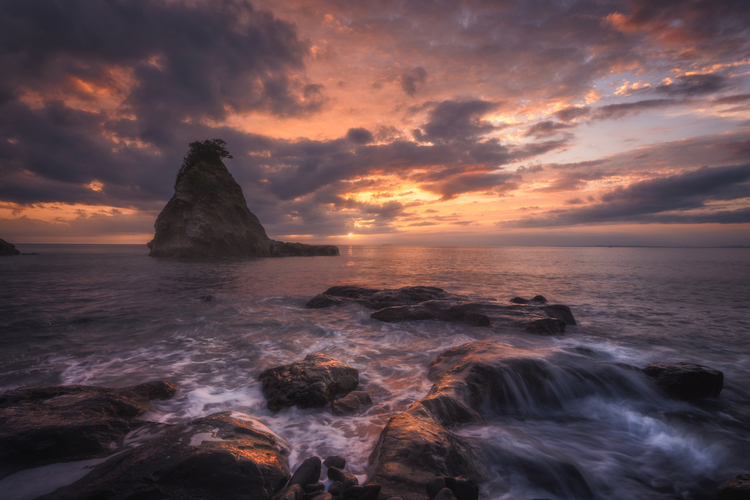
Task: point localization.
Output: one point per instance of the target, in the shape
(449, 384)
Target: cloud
(572, 112)
(676, 198)
(547, 128)
(411, 79)
(693, 85)
(359, 135)
(457, 120)
(631, 108)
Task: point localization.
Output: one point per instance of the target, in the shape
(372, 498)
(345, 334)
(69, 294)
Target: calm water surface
(112, 316)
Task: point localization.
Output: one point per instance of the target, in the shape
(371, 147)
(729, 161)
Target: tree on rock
(211, 150)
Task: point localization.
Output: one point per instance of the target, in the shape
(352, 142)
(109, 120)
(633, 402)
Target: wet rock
(291, 492)
(353, 402)
(737, 488)
(311, 488)
(208, 217)
(42, 425)
(561, 312)
(366, 492)
(469, 380)
(335, 461)
(310, 383)
(546, 326)
(426, 303)
(207, 298)
(445, 494)
(462, 487)
(336, 488)
(8, 248)
(212, 457)
(307, 473)
(323, 496)
(686, 381)
(346, 479)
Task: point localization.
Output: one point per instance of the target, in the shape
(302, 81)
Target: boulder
(335, 461)
(353, 402)
(546, 326)
(337, 475)
(561, 312)
(734, 489)
(686, 381)
(8, 248)
(208, 217)
(291, 492)
(470, 379)
(310, 383)
(307, 473)
(42, 425)
(218, 456)
(423, 303)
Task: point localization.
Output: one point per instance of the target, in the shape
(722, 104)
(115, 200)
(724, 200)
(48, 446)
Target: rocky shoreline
(418, 455)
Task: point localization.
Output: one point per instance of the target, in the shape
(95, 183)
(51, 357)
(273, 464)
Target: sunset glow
(476, 123)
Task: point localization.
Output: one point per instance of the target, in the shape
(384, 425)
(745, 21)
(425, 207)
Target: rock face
(208, 217)
(686, 381)
(310, 383)
(8, 248)
(419, 303)
(734, 489)
(353, 402)
(217, 456)
(416, 446)
(41, 425)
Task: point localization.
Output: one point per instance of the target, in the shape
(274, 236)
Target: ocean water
(112, 316)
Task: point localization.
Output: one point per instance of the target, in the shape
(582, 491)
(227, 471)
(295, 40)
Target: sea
(110, 315)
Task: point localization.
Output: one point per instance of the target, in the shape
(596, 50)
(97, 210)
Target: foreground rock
(686, 381)
(734, 489)
(42, 425)
(218, 456)
(471, 380)
(310, 383)
(208, 217)
(419, 303)
(355, 401)
(8, 248)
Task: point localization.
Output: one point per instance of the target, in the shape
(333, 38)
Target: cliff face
(208, 217)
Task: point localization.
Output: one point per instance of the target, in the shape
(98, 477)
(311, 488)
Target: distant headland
(208, 215)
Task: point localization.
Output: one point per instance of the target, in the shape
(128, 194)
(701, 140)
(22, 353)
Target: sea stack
(208, 217)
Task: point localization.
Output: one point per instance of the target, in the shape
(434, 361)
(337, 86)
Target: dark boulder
(428, 303)
(347, 480)
(8, 248)
(686, 381)
(462, 487)
(353, 402)
(335, 461)
(310, 383)
(208, 217)
(212, 457)
(307, 473)
(561, 312)
(734, 489)
(291, 492)
(366, 492)
(546, 326)
(469, 380)
(42, 425)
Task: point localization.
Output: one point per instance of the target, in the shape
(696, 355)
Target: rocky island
(208, 215)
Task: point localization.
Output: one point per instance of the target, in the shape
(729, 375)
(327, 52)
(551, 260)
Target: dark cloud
(732, 99)
(547, 128)
(693, 85)
(630, 108)
(665, 199)
(359, 135)
(572, 112)
(411, 79)
(457, 121)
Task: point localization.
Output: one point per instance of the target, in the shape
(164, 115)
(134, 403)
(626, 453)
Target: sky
(563, 123)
